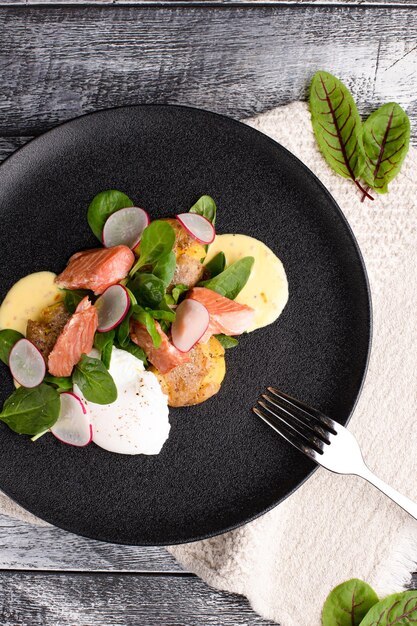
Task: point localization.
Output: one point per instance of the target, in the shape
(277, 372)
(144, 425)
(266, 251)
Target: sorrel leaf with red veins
(337, 126)
(399, 609)
(386, 137)
(348, 603)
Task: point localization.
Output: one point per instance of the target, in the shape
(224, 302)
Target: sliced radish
(27, 364)
(198, 226)
(112, 307)
(73, 425)
(125, 226)
(190, 324)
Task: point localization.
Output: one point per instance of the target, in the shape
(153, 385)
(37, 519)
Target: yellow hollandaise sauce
(27, 298)
(267, 288)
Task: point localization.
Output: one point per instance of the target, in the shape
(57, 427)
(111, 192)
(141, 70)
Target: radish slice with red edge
(73, 425)
(190, 324)
(125, 226)
(198, 226)
(112, 307)
(27, 364)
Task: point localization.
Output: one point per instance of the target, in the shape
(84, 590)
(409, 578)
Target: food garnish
(198, 226)
(112, 307)
(125, 227)
(372, 151)
(190, 324)
(26, 364)
(73, 425)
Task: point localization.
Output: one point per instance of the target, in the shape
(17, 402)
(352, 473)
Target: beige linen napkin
(337, 527)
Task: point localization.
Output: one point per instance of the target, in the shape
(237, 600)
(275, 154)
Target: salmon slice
(164, 358)
(76, 339)
(227, 317)
(96, 269)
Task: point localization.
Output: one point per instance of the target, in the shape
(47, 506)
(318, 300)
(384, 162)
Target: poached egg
(137, 422)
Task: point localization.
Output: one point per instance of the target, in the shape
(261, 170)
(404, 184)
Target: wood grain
(118, 600)
(239, 61)
(27, 547)
(188, 3)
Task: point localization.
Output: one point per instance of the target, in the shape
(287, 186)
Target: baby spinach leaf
(102, 206)
(398, 608)
(206, 207)
(123, 330)
(167, 316)
(164, 268)
(337, 126)
(8, 337)
(178, 291)
(157, 241)
(31, 411)
(145, 318)
(132, 348)
(226, 341)
(149, 290)
(61, 383)
(216, 265)
(386, 137)
(348, 603)
(104, 343)
(94, 380)
(131, 296)
(73, 297)
(232, 280)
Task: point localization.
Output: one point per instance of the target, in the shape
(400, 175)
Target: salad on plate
(101, 351)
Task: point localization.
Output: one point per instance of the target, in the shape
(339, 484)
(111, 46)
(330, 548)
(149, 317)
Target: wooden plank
(27, 547)
(119, 600)
(239, 61)
(189, 3)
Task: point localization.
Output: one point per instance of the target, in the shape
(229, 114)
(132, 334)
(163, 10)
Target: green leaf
(386, 138)
(104, 343)
(226, 341)
(167, 316)
(8, 337)
(337, 126)
(164, 268)
(73, 297)
(62, 383)
(102, 206)
(399, 609)
(232, 280)
(94, 380)
(348, 603)
(206, 207)
(145, 318)
(132, 348)
(178, 291)
(216, 265)
(149, 290)
(157, 241)
(31, 411)
(123, 330)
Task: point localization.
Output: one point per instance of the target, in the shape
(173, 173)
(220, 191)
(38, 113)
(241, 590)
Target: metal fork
(322, 439)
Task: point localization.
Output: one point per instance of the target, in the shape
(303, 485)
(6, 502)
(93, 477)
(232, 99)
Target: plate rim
(363, 269)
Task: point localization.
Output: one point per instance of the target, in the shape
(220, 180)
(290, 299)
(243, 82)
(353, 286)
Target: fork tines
(306, 429)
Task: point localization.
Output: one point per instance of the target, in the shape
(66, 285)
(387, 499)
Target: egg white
(137, 422)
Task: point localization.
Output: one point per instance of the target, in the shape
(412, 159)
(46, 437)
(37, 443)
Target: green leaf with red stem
(399, 609)
(337, 126)
(348, 603)
(386, 138)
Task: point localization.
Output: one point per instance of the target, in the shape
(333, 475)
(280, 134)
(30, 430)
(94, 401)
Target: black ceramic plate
(221, 466)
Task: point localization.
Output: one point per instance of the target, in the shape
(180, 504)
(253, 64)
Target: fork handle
(405, 503)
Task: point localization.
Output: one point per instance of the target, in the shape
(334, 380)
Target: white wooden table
(59, 60)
